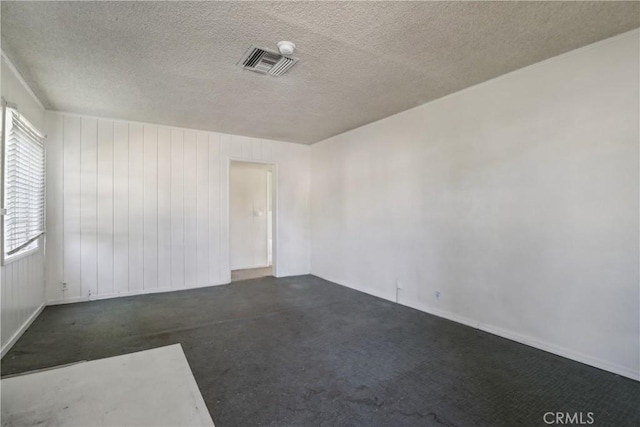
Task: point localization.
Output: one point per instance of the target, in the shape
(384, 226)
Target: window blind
(23, 184)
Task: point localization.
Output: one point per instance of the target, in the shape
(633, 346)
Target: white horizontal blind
(24, 184)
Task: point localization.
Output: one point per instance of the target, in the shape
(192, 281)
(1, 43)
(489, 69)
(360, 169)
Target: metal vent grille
(266, 62)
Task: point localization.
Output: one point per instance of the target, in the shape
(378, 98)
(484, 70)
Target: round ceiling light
(286, 48)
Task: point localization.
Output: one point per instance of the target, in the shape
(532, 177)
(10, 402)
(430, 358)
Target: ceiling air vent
(266, 62)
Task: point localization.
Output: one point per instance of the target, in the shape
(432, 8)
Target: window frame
(34, 246)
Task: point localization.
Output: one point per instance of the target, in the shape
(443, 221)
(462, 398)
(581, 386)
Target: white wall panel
(71, 199)
(266, 151)
(256, 150)
(226, 144)
(136, 207)
(55, 206)
(235, 147)
(120, 207)
(150, 208)
(105, 207)
(246, 147)
(23, 295)
(511, 206)
(6, 328)
(202, 209)
(190, 209)
(177, 208)
(150, 203)
(215, 252)
(88, 206)
(164, 208)
(292, 208)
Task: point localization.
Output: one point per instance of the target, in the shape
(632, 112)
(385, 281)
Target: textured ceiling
(174, 63)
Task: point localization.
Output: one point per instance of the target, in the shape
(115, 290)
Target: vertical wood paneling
(150, 215)
(256, 149)
(235, 146)
(202, 209)
(23, 273)
(139, 208)
(177, 208)
(266, 151)
(23, 292)
(5, 318)
(71, 200)
(105, 205)
(190, 209)
(225, 151)
(14, 295)
(120, 207)
(40, 278)
(7, 305)
(214, 208)
(136, 207)
(246, 147)
(88, 206)
(54, 170)
(164, 207)
(27, 275)
(33, 275)
(18, 273)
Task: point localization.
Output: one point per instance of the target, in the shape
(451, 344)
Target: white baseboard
(501, 332)
(130, 293)
(441, 313)
(20, 331)
(374, 293)
(563, 351)
(69, 300)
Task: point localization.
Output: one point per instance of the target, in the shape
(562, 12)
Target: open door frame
(274, 214)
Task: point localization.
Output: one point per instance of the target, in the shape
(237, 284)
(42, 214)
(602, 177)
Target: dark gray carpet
(302, 351)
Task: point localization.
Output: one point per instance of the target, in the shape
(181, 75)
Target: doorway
(251, 219)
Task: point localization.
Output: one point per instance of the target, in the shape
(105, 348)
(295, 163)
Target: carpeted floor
(301, 351)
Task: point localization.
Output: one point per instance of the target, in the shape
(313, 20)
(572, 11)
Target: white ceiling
(174, 63)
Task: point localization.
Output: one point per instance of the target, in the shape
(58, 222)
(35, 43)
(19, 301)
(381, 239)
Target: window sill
(20, 255)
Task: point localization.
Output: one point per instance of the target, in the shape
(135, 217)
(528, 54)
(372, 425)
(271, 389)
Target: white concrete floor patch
(147, 388)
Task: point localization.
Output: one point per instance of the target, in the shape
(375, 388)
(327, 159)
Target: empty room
(320, 213)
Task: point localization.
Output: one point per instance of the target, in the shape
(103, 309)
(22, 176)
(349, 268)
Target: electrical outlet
(437, 295)
(64, 286)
